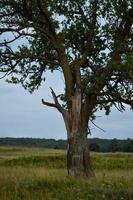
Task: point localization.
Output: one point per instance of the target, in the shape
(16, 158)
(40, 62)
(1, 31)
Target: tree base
(78, 160)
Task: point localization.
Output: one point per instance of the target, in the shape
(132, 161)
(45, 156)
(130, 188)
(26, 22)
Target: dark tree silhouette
(114, 146)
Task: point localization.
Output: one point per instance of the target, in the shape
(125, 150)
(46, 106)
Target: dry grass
(37, 182)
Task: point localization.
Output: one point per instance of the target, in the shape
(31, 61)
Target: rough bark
(78, 157)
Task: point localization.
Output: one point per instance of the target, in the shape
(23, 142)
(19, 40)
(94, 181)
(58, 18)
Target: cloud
(116, 125)
(23, 115)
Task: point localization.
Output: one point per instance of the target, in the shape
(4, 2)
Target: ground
(40, 174)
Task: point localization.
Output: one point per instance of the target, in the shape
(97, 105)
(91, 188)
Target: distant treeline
(95, 144)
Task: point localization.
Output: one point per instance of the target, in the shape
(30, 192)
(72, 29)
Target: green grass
(40, 174)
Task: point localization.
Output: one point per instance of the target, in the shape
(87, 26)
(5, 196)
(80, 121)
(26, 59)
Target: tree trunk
(78, 157)
(76, 121)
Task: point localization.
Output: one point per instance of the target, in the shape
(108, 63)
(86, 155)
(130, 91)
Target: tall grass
(44, 177)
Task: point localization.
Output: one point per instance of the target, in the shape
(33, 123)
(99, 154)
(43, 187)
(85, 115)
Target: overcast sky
(23, 115)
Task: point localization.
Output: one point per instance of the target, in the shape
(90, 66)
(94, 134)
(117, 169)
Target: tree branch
(116, 99)
(97, 126)
(88, 38)
(44, 25)
(56, 103)
(49, 104)
(115, 59)
(59, 107)
(20, 55)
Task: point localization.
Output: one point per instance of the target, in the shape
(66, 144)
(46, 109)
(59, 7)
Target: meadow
(40, 174)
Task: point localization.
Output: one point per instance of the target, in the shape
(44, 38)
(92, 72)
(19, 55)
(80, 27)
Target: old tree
(89, 41)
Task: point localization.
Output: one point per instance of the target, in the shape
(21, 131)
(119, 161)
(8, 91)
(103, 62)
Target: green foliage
(112, 162)
(114, 146)
(38, 157)
(57, 162)
(95, 144)
(100, 162)
(94, 147)
(94, 35)
(128, 146)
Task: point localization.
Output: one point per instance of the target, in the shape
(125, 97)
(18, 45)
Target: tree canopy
(89, 41)
(92, 38)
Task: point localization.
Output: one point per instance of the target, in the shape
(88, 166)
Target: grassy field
(40, 174)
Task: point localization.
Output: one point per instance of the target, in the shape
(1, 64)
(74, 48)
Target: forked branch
(56, 103)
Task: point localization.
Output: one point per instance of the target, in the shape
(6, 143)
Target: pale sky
(23, 115)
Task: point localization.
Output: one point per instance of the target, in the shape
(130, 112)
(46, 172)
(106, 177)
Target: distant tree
(128, 146)
(94, 147)
(114, 146)
(56, 147)
(89, 41)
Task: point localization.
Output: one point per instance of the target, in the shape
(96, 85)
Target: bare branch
(56, 103)
(17, 37)
(97, 126)
(49, 104)
(4, 75)
(59, 107)
(10, 41)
